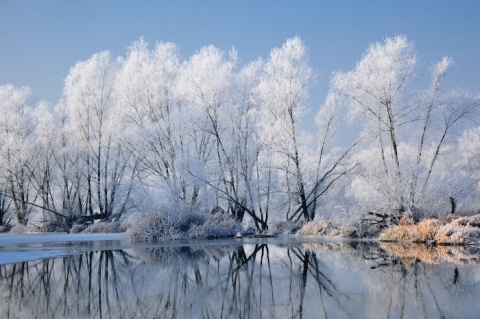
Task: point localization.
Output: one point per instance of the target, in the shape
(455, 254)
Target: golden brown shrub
(424, 231)
(464, 230)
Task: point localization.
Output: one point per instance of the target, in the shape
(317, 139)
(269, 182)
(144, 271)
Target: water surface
(249, 278)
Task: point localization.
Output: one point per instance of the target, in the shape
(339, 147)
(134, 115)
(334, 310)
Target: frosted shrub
(19, 228)
(155, 227)
(316, 228)
(77, 228)
(328, 229)
(103, 227)
(473, 221)
(165, 226)
(286, 228)
(190, 219)
(51, 226)
(453, 234)
(218, 225)
(463, 230)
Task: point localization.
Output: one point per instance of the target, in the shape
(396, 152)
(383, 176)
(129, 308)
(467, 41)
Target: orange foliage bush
(424, 231)
(464, 230)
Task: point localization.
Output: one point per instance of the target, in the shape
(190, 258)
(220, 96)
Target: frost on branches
(407, 133)
(152, 132)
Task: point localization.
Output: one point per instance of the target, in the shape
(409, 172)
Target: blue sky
(40, 40)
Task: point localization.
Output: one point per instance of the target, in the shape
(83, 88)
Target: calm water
(249, 278)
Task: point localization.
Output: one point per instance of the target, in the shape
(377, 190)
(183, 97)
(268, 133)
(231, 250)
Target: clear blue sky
(40, 40)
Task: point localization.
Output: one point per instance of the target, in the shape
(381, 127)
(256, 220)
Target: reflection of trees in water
(250, 284)
(244, 281)
(422, 281)
(178, 281)
(83, 286)
(327, 290)
(165, 282)
(172, 256)
(407, 252)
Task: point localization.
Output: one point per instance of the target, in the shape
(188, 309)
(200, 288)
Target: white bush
(103, 227)
(218, 225)
(155, 227)
(183, 224)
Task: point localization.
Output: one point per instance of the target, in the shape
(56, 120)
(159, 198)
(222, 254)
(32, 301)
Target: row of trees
(152, 131)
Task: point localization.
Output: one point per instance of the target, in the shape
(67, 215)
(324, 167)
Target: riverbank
(452, 230)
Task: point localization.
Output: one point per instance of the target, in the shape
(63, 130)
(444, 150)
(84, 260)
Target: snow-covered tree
(380, 91)
(43, 167)
(303, 170)
(155, 121)
(249, 178)
(98, 156)
(17, 126)
(469, 149)
(204, 85)
(282, 94)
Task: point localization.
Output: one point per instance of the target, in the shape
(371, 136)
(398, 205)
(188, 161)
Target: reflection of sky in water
(8, 257)
(241, 279)
(26, 247)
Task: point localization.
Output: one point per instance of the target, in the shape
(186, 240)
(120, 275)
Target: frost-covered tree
(329, 163)
(17, 141)
(380, 91)
(155, 121)
(98, 156)
(43, 169)
(204, 85)
(68, 177)
(250, 178)
(175, 121)
(469, 149)
(282, 94)
(304, 171)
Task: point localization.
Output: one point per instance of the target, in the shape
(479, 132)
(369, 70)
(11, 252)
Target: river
(107, 276)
